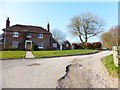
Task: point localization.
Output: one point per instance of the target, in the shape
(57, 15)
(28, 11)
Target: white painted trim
(40, 47)
(40, 37)
(26, 43)
(16, 35)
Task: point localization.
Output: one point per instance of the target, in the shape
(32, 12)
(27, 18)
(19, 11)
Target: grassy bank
(12, 54)
(60, 53)
(109, 64)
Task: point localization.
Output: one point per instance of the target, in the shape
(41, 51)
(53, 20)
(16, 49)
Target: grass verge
(12, 54)
(38, 54)
(109, 64)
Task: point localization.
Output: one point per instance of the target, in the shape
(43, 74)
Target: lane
(88, 73)
(38, 73)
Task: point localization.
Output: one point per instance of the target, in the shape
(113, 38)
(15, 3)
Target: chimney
(48, 27)
(7, 22)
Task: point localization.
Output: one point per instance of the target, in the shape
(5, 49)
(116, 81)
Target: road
(39, 73)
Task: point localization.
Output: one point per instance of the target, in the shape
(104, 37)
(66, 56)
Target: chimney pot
(7, 22)
(48, 27)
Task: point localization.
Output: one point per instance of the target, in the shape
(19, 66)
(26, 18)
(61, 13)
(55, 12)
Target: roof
(54, 41)
(66, 42)
(27, 28)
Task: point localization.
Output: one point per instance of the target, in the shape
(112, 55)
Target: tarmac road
(38, 73)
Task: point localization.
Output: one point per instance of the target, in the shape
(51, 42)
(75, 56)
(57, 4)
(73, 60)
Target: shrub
(97, 45)
(89, 46)
(34, 47)
(49, 48)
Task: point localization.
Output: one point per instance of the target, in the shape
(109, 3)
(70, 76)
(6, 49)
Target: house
(66, 45)
(23, 37)
(1, 42)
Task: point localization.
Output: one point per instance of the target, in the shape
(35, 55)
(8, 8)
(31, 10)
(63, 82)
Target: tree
(85, 26)
(59, 36)
(110, 38)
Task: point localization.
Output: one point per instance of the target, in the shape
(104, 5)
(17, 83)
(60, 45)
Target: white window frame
(40, 35)
(29, 36)
(55, 45)
(15, 34)
(41, 47)
(16, 45)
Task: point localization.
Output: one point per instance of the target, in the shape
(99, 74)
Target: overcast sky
(58, 14)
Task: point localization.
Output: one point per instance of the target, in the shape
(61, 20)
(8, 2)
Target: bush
(97, 45)
(34, 47)
(49, 48)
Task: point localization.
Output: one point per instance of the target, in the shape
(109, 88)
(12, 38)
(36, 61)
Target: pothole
(33, 64)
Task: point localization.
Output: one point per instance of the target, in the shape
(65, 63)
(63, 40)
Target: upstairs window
(14, 44)
(29, 35)
(40, 35)
(15, 34)
(54, 45)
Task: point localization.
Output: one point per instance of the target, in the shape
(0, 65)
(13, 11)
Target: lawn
(109, 64)
(12, 54)
(60, 53)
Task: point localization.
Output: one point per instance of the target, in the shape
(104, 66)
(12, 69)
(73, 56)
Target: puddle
(33, 64)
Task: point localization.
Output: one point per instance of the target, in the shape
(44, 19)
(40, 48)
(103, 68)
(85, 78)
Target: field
(38, 54)
(12, 54)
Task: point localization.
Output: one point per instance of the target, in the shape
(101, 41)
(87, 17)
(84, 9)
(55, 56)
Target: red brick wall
(22, 37)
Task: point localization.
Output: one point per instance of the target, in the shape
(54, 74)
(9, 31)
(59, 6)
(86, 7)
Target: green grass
(60, 53)
(12, 54)
(109, 64)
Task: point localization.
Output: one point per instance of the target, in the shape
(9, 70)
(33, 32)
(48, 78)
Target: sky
(58, 14)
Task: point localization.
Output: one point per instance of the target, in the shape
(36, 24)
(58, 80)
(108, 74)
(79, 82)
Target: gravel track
(88, 73)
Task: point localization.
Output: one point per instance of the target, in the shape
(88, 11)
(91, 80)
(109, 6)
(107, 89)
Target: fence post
(116, 55)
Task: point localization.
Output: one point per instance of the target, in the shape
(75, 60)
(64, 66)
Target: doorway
(28, 44)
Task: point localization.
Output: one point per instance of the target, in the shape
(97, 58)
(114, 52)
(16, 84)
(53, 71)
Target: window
(67, 45)
(29, 35)
(1, 42)
(40, 35)
(15, 34)
(14, 44)
(40, 45)
(54, 44)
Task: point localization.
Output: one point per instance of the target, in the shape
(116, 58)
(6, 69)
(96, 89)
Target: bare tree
(85, 26)
(110, 38)
(59, 36)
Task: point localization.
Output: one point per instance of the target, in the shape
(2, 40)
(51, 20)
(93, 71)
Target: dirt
(87, 73)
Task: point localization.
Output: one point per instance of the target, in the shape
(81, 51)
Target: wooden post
(116, 55)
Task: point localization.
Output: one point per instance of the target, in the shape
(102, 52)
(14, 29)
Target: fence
(116, 55)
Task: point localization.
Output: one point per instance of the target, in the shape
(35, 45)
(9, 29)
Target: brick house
(1, 42)
(24, 37)
(66, 45)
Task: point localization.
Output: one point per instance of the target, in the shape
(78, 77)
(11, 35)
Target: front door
(28, 47)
